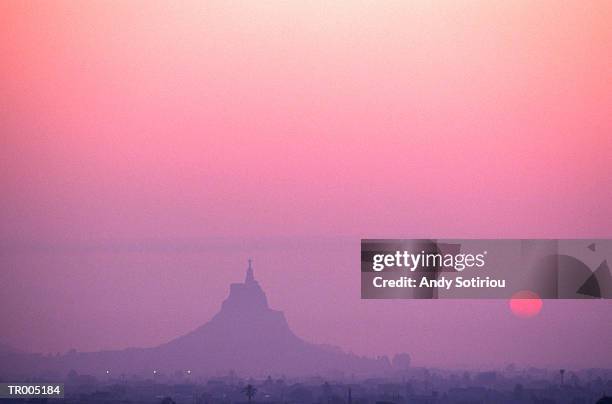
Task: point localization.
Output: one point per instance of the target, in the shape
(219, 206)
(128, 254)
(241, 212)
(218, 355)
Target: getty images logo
(411, 261)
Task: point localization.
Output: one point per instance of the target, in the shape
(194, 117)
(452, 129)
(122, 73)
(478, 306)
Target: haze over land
(245, 337)
(146, 151)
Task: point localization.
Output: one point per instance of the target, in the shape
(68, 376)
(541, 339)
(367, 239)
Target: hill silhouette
(245, 336)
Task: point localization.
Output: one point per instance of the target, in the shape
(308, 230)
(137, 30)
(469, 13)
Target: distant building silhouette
(246, 336)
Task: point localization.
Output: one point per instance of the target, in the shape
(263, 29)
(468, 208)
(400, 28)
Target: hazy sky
(147, 149)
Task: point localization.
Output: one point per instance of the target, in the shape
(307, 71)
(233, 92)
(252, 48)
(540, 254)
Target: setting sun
(525, 304)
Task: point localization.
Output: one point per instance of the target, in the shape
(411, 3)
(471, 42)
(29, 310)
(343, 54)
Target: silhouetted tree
(562, 372)
(168, 400)
(249, 391)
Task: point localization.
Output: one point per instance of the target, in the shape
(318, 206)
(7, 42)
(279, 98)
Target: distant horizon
(240, 274)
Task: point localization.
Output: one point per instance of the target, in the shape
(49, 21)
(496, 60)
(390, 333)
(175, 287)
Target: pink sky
(286, 131)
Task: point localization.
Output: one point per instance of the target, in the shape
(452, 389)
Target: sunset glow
(525, 304)
(154, 146)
